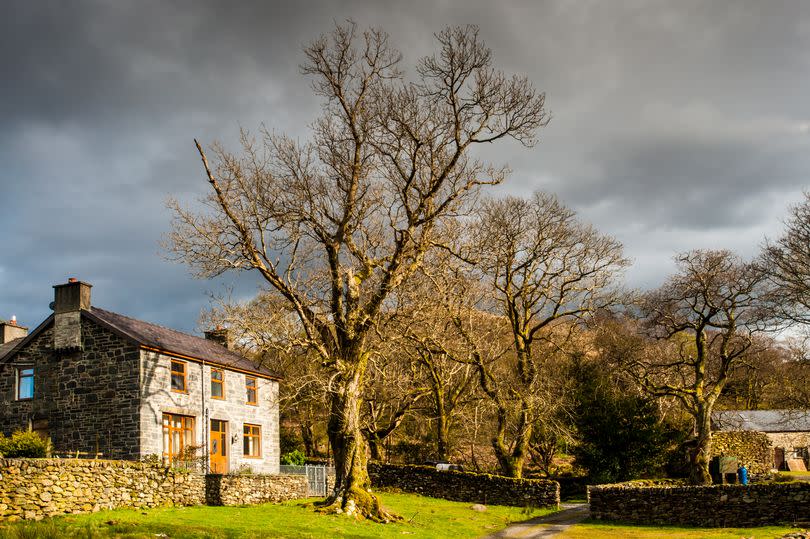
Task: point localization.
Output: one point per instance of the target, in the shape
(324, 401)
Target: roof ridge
(94, 308)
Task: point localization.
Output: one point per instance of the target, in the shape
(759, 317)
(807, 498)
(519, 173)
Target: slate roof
(5, 348)
(154, 336)
(170, 340)
(762, 420)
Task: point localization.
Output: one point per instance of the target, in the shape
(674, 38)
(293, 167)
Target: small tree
(336, 225)
(709, 312)
(544, 271)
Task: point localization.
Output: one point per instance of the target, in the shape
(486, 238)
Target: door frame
(223, 437)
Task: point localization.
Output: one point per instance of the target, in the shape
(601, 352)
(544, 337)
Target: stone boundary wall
(466, 486)
(704, 506)
(32, 489)
(750, 447)
(254, 489)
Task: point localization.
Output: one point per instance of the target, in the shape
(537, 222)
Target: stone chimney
(69, 300)
(10, 330)
(220, 336)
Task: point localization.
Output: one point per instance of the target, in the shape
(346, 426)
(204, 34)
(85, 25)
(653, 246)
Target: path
(547, 526)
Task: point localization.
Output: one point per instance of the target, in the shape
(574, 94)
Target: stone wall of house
(705, 506)
(254, 489)
(751, 448)
(466, 486)
(157, 398)
(790, 441)
(85, 400)
(38, 488)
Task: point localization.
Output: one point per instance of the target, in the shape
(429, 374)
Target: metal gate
(316, 477)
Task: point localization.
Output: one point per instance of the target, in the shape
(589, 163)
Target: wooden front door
(219, 446)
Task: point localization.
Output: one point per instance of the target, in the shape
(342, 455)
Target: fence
(317, 477)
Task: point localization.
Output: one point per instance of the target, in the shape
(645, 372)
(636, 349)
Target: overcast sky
(676, 125)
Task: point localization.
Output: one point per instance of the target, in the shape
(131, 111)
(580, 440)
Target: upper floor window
(25, 383)
(179, 376)
(217, 384)
(252, 390)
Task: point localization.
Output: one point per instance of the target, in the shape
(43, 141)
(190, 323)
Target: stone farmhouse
(97, 382)
(787, 431)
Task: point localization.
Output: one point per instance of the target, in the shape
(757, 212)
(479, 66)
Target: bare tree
(709, 313)
(336, 225)
(788, 263)
(430, 340)
(547, 270)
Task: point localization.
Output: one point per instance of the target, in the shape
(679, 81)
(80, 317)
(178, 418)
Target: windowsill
(252, 403)
(23, 399)
(184, 392)
(255, 458)
(218, 398)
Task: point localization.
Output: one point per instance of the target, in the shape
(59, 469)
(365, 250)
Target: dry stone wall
(32, 489)
(466, 486)
(751, 448)
(254, 489)
(35, 488)
(704, 506)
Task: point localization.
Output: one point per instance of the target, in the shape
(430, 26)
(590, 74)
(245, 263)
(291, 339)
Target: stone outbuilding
(787, 431)
(99, 383)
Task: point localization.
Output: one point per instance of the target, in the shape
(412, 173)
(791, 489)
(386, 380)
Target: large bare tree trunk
(702, 452)
(352, 491)
(512, 461)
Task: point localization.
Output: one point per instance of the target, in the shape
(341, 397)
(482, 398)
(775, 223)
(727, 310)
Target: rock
(478, 507)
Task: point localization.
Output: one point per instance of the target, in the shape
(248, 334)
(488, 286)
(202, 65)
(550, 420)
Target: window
(251, 389)
(25, 383)
(179, 376)
(252, 441)
(217, 384)
(178, 436)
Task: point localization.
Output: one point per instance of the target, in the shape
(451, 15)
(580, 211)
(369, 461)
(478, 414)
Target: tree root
(357, 503)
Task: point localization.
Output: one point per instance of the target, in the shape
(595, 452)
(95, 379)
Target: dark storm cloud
(676, 124)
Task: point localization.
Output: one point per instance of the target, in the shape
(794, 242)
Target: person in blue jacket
(742, 474)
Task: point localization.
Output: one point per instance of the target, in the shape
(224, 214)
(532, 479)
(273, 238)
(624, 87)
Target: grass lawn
(590, 529)
(422, 518)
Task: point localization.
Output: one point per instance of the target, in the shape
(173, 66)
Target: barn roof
(762, 420)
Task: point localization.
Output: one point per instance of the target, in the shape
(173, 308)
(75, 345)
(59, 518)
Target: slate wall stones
(32, 489)
(705, 506)
(254, 489)
(466, 486)
(89, 399)
(751, 448)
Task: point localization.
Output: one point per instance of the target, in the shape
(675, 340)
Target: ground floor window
(252, 441)
(178, 439)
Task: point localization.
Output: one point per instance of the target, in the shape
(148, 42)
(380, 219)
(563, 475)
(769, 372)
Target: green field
(589, 530)
(422, 518)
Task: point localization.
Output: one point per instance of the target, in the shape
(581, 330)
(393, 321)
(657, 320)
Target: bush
(294, 458)
(24, 444)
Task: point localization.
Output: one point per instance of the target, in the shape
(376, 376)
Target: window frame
(172, 373)
(221, 383)
(253, 432)
(254, 388)
(186, 438)
(18, 369)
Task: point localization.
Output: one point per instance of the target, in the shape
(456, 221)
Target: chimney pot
(10, 330)
(73, 280)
